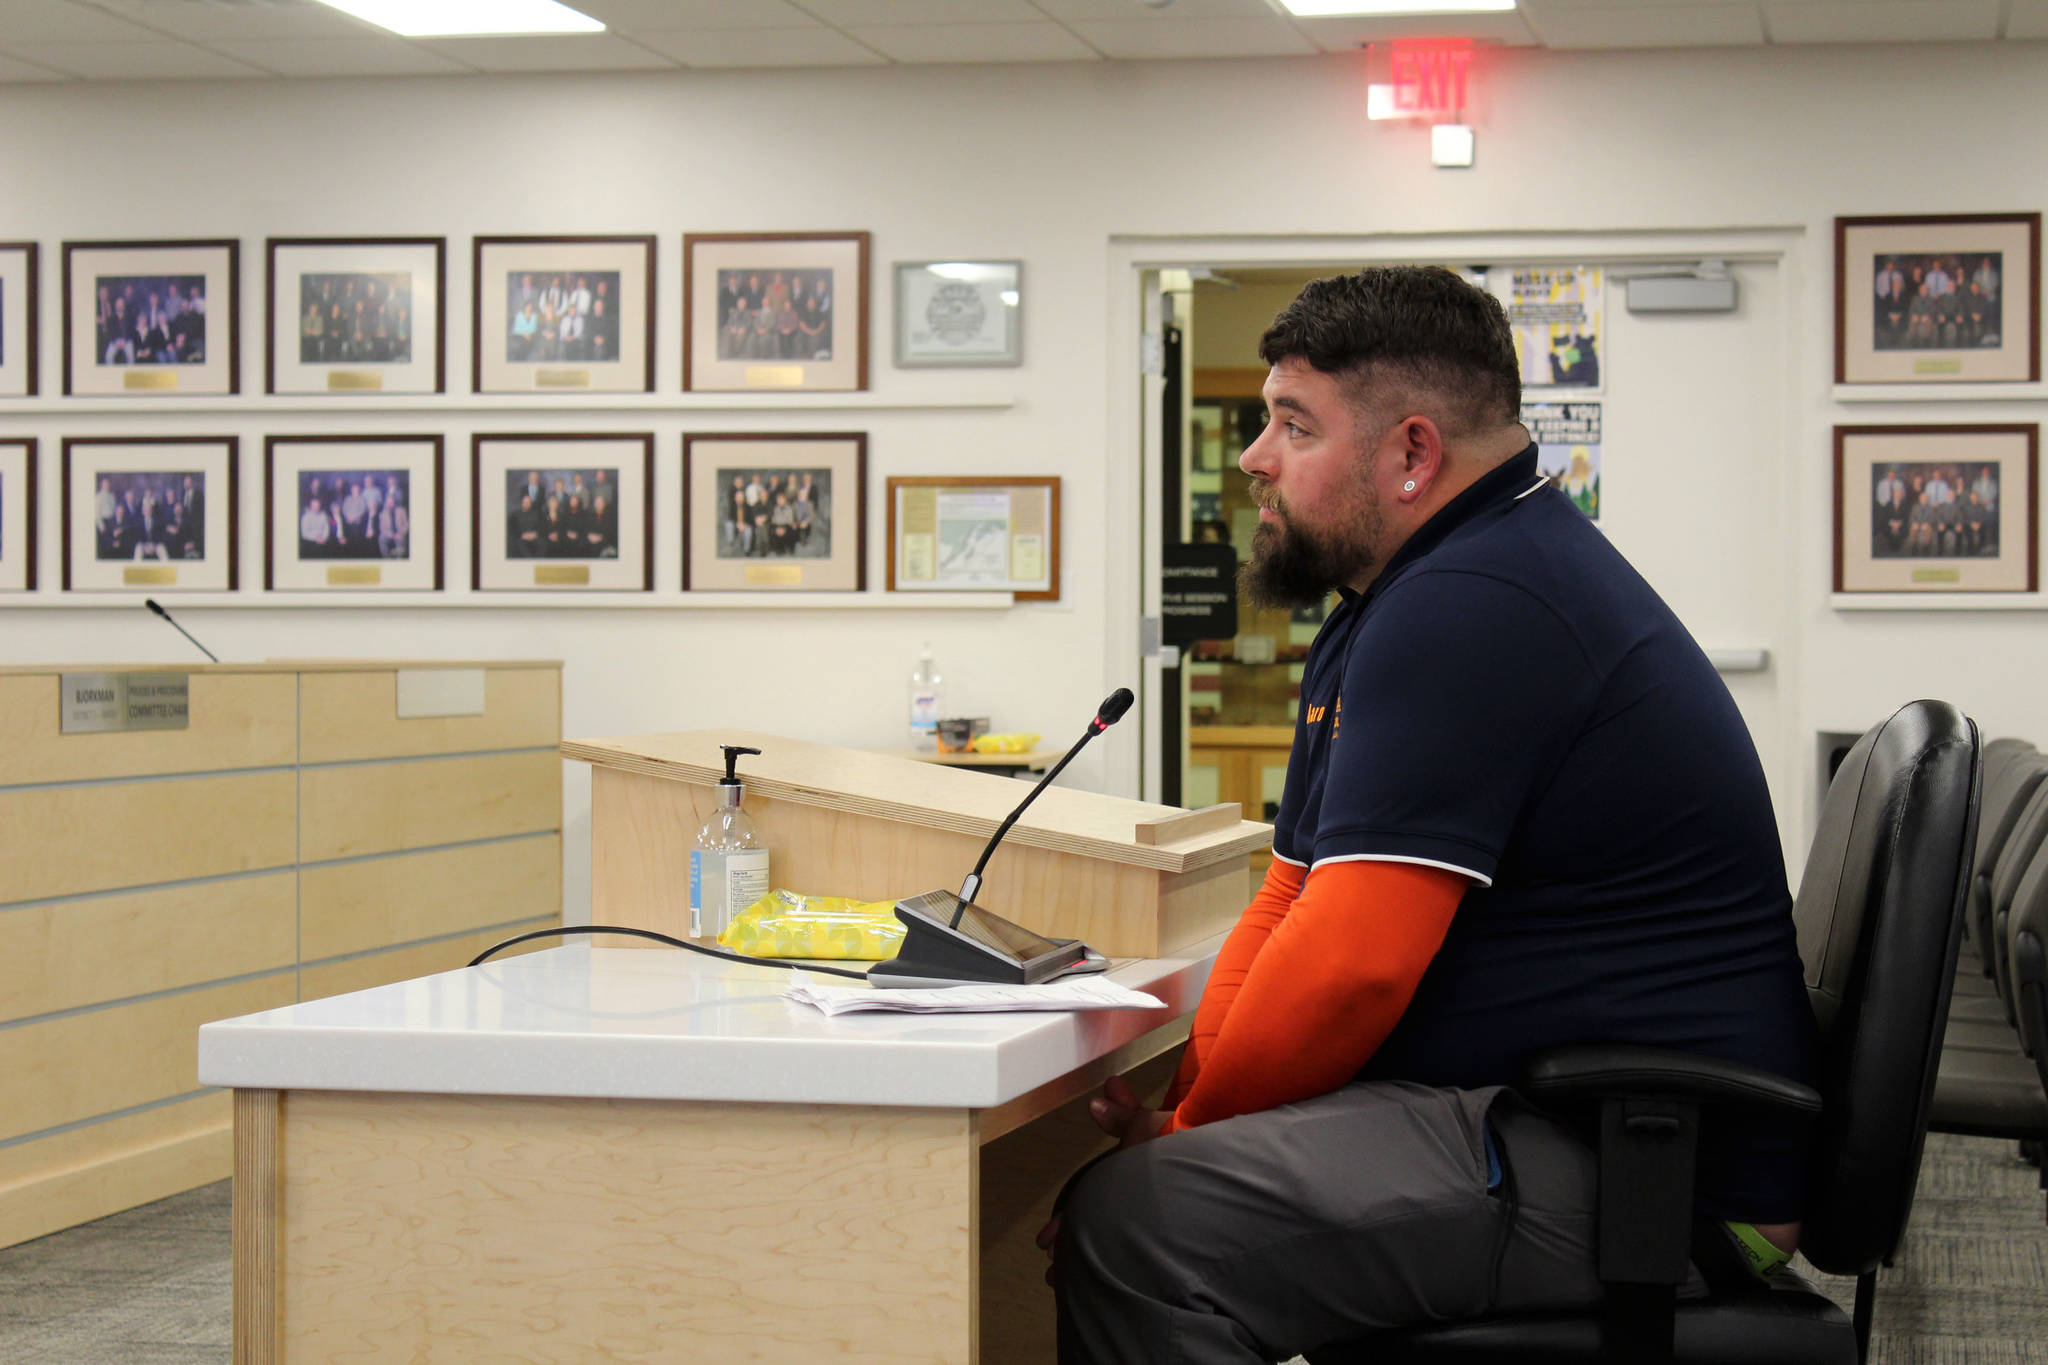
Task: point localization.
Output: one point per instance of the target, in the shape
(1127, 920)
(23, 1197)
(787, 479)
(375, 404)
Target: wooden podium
(1129, 878)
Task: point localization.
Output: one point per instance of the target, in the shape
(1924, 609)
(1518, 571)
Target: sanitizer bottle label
(746, 881)
(696, 893)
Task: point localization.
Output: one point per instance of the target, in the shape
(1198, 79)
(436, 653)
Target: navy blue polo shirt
(1510, 700)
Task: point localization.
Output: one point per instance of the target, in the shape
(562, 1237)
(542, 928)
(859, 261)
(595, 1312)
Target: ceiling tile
(2028, 19)
(1342, 35)
(554, 52)
(1178, 11)
(1612, 26)
(166, 59)
(56, 21)
(849, 13)
(1142, 38)
(682, 14)
(12, 70)
(342, 57)
(251, 22)
(1883, 21)
(737, 47)
(1040, 42)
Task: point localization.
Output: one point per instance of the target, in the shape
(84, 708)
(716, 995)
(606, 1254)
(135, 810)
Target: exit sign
(1419, 80)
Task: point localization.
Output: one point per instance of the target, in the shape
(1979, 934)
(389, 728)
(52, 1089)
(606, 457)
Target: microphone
(157, 607)
(938, 949)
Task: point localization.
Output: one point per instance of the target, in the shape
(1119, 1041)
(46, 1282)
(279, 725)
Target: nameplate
(774, 575)
(561, 575)
(353, 381)
(1954, 366)
(425, 692)
(561, 379)
(159, 576)
(354, 575)
(95, 703)
(775, 376)
(1937, 575)
(150, 379)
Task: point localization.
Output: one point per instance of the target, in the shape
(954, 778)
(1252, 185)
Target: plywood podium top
(863, 782)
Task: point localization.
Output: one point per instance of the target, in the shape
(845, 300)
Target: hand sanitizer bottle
(924, 704)
(729, 865)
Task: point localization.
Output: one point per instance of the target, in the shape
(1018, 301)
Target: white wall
(1062, 166)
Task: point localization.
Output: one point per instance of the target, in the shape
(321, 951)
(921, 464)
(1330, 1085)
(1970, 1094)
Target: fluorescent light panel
(468, 18)
(1325, 9)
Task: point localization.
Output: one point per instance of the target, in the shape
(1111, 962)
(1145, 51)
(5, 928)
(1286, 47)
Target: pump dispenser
(728, 865)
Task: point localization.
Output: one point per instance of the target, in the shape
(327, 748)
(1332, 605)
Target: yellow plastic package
(789, 924)
(1002, 744)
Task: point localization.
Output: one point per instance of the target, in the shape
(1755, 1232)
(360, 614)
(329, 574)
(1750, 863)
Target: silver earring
(1408, 487)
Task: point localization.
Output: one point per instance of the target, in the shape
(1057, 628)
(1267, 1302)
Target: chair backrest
(2029, 831)
(2026, 955)
(1999, 752)
(2006, 795)
(1879, 918)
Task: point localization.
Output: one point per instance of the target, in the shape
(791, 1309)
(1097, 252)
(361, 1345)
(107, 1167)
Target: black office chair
(1879, 919)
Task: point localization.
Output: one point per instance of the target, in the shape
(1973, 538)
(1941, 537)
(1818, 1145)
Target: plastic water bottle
(924, 704)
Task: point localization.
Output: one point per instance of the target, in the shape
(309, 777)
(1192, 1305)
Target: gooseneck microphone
(1109, 713)
(950, 940)
(157, 607)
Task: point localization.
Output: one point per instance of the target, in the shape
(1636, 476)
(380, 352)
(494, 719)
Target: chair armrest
(1591, 1071)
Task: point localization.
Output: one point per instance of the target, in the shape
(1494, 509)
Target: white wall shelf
(580, 601)
(1939, 393)
(157, 407)
(1938, 601)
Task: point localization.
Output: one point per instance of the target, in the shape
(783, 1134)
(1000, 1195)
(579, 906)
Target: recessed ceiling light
(1323, 9)
(468, 18)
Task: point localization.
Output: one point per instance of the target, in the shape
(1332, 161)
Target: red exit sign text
(1431, 78)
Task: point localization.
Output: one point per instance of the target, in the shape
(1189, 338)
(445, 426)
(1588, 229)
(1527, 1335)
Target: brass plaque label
(95, 703)
(150, 379)
(356, 381)
(774, 575)
(164, 575)
(775, 376)
(1937, 575)
(561, 575)
(561, 379)
(354, 575)
(1953, 365)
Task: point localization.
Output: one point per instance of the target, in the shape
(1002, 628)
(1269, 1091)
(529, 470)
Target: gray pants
(1267, 1235)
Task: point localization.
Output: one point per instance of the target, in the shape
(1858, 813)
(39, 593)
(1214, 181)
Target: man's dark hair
(1403, 333)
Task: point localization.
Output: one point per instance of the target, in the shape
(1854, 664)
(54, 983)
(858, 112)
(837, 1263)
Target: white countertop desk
(625, 1154)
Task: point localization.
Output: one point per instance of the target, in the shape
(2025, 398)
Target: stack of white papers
(1069, 993)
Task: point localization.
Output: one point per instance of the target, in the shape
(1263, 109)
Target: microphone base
(951, 942)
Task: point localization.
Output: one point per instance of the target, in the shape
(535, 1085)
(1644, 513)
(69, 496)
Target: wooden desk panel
(84, 952)
(355, 906)
(366, 808)
(51, 1183)
(107, 836)
(344, 716)
(238, 720)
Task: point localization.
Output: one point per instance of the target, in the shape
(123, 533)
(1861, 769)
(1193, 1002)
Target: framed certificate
(976, 535)
(959, 313)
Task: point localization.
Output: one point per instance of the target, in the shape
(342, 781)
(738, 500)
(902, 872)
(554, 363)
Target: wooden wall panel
(587, 1231)
(355, 906)
(104, 836)
(239, 720)
(346, 716)
(79, 1065)
(76, 1176)
(416, 960)
(366, 808)
(83, 952)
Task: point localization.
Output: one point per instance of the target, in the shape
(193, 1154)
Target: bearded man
(1521, 810)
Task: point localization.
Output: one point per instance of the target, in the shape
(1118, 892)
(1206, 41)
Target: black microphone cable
(531, 934)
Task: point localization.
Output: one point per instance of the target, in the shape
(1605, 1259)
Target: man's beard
(1292, 566)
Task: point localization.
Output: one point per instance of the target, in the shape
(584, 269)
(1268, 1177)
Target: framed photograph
(775, 513)
(779, 310)
(356, 315)
(17, 516)
(352, 512)
(152, 318)
(976, 535)
(1954, 298)
(563, 315)
(19, 323)
(959, 313)
(144, 514)
(562, 512)
(1936, 509)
